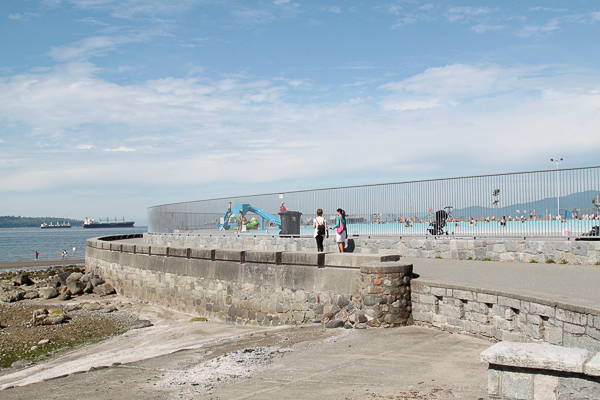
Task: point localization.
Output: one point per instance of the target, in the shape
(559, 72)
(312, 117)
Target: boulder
(12, 296)
(48, 292)
(22, 279)
(140, 323)
(96, 281)
(75, 287)
(75, 276)
(21, 364)
(334, 323)
(64, 295)
(92, 306)
(57, 282)
(31, 294)
(88, 288)
(85, 278)
(104, 289)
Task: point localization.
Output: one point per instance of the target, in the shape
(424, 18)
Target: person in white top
(320, 226)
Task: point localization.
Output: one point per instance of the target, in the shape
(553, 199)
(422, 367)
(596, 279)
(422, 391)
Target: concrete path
(572, 284)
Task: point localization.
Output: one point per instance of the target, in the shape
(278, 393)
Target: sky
(108, 107)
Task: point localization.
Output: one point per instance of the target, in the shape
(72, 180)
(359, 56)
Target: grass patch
(198, 319)
(566, 262)
(533, 262)
(486, 259)
(469, 258)
(550, 261)
(438, 257)
(9, 356)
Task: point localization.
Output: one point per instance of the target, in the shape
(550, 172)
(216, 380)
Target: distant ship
(90, 223)
(63, 225)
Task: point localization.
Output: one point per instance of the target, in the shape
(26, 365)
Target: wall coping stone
(356, 260)
(303, 258)
(386, 268)
(537, 356)
(128, 248)
(115, 247)
(230, 255)
(158, 250)
(142, 249)
(593, 366)
(204, 254)
(263, 257)
(178, 252)
(539, 300)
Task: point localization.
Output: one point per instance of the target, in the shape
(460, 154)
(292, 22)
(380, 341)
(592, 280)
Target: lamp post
(557, 162)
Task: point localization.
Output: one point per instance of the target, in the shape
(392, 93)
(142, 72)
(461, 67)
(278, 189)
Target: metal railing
(562, 202)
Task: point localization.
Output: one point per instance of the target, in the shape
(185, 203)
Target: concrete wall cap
(536, 356)
(356, 260)
(593, 366)
(263, 257)
(386, 268)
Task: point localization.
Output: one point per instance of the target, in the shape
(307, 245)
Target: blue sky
(108, 107)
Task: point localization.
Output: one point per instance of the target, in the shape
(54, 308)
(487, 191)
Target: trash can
(290, 223)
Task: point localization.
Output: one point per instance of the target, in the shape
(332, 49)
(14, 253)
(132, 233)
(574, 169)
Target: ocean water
(21, 244)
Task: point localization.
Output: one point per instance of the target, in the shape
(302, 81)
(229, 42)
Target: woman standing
(240, 221)
(320, 226)
(340, 229)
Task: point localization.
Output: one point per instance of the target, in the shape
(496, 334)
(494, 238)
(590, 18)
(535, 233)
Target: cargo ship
(90, 223)
(63, 225)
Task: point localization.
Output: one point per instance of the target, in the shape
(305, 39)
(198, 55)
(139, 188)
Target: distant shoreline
(39, 263)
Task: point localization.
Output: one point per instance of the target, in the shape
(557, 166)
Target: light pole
(557, 161)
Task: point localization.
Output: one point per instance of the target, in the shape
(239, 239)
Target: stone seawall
(506, 249)
(505, 316)
(259, 287)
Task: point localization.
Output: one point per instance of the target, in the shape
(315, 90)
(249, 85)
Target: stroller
(441, 217)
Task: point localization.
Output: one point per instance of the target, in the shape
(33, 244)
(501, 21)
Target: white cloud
(92, 47)
(280, 2)
(487, 28)
(121, 149)
(465, 13)
(333, 9)
(236, 130)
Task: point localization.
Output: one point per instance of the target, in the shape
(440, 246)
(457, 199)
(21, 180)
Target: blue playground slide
(245, 208)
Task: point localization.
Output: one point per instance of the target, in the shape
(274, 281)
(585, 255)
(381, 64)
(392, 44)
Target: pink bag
(340, 227)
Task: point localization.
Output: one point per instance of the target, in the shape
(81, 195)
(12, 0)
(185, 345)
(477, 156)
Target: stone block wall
(528, 371)
(509, 249)
(504, 316)
(259, 287)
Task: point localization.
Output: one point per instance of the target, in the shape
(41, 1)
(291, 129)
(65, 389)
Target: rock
(48, 293)
(360, 326)
(96, 281)
(75, 287)
(33, 348)
(85, 278)
(12, 296)
(92, 306)
(374, 323)
(22, 279)
(39, 314)
(52, 319)
(64, 275)
(140, 323)
(75, 276)
(334, 323)
(31, 294)
(348, 325)
(361, 318)
(342, 301)
(65, 295)
(43, 342)
(88, 288)
(57, 282)
(108, 309)
(104, 289)
(21, 363)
